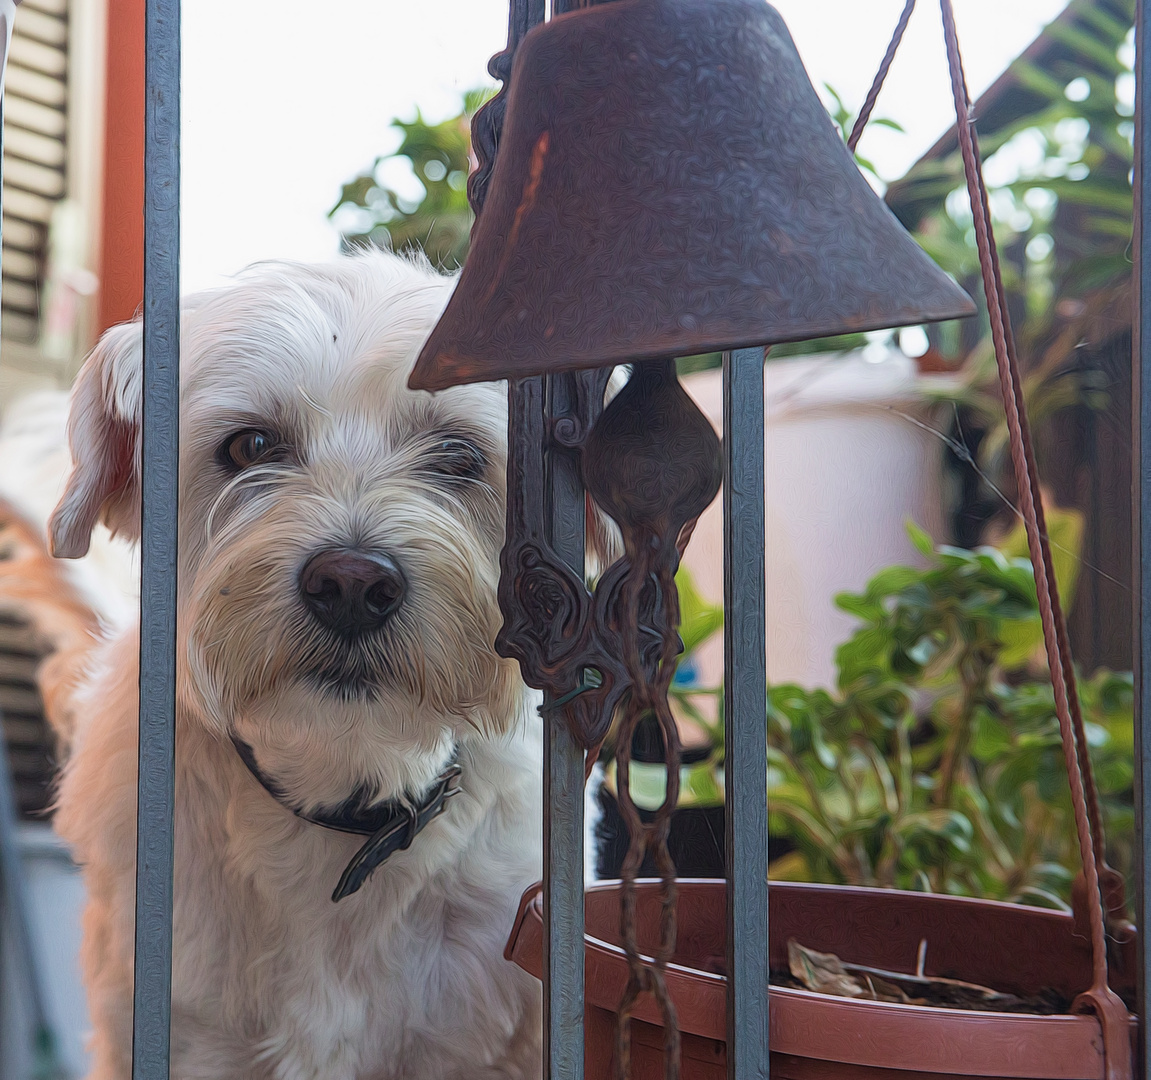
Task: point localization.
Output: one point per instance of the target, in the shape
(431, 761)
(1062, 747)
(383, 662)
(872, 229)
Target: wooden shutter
(35, 159)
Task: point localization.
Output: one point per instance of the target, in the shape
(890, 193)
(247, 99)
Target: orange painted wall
(121, 268)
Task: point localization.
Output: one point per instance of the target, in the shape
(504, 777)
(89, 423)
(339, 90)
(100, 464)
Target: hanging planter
(1032, 954)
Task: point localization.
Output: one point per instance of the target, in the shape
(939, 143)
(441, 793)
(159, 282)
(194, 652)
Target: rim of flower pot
(874, 1034)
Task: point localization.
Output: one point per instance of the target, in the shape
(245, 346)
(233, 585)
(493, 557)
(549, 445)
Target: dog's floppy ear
(104, 438)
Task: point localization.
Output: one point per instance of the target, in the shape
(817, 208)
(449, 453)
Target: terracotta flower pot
(1020, 950)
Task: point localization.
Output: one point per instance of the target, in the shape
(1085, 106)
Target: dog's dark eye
(458, 459)
(247, 448)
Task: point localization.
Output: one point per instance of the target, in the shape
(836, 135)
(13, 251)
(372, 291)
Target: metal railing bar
(563, 903)
(1141, 519)
(563, 968)
(745, 713)
(160, 458)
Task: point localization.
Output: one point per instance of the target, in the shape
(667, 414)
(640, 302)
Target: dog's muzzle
(350, 591)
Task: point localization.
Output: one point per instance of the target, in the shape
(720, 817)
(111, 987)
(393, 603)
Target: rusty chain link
(649, 697)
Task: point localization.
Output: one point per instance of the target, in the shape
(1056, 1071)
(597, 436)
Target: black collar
(391, 826)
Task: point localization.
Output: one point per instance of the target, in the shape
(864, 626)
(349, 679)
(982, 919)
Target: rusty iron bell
(668, 183)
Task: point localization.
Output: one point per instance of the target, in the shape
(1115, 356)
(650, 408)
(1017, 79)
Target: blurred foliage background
(1057, 143)
(438, 222)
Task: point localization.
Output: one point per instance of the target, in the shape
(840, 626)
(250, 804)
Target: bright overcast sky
(284, 100)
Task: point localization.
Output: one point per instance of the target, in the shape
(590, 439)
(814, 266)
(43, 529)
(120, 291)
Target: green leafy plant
(437, 223)
(936, 764)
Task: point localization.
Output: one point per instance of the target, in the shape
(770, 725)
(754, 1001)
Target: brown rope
(985, 242)
(1094, 813)
(880, 75)
(1110, 1010)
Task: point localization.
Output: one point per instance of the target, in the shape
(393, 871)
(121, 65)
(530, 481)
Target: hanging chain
(654, 489)
(654, 566)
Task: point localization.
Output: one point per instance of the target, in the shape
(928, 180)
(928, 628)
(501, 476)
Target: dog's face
(339, 533)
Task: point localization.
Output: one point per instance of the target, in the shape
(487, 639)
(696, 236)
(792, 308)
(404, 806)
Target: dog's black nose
(350, 591)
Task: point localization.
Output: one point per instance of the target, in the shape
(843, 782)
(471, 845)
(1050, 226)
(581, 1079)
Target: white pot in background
(845, 469)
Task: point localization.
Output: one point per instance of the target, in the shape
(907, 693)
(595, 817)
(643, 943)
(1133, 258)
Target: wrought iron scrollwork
(564, 638)
(571, 430)
(488, 122)
(651, 462)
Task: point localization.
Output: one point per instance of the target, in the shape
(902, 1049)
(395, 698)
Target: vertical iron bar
(160, 457)
(745, 715)
(563, 783)
(1141, 520)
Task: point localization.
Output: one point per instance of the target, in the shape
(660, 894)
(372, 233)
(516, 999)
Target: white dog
(339, 553)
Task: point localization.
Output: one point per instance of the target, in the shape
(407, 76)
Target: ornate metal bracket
(552, 624)
(652, 463)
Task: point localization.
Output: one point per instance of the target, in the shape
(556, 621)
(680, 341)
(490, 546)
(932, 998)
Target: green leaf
(701, 784)
(922, 541)
(698, 619)
(438, 223)
(1022, 639)
(948, 825)
(1065, 537)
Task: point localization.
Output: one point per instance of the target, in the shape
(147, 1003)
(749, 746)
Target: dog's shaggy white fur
(405, 979)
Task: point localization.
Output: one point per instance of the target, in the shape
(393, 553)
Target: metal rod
(563, 784)
(1141, 519)
(745, 714)
(160, 456)
(563, 902)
